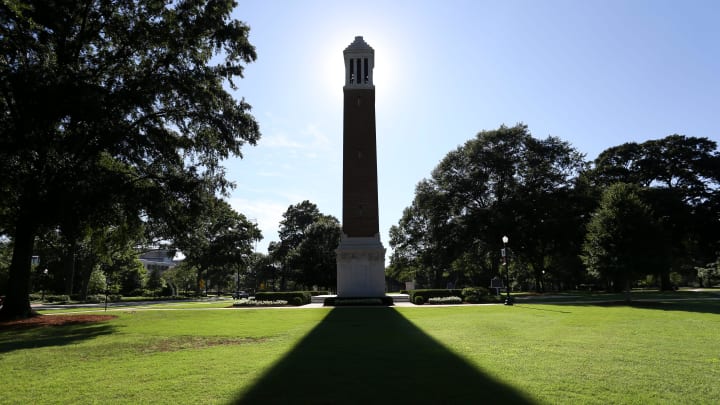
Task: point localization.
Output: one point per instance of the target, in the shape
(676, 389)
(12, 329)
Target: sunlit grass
(589, 354)
(659, 353)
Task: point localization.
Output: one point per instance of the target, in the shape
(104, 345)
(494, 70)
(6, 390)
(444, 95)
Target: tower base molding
(360, 267)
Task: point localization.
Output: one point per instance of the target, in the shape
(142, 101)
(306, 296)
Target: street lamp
(508, 300)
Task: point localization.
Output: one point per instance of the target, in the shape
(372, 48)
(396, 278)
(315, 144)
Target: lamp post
(508, 300)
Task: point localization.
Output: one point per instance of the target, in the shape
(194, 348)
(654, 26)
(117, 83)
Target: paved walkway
(148, 305)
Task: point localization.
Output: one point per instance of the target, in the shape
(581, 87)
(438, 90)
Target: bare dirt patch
(177, 343)
(40, 321)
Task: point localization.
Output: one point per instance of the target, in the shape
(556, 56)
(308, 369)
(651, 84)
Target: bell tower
(360, 255)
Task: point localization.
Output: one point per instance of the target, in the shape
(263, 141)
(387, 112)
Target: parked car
(241, 294)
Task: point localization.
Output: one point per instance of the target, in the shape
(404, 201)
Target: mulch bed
(53, 320)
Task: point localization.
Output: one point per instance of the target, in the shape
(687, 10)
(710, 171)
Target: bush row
(471, 295)
(422, 296)
(445, 300)
(244, 302)
(296, 298)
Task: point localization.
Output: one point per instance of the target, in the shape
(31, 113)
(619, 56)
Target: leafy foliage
(623, 240)
(130, 91)
(541, 193)
(218, 241)
(680, 177)
(306, 250)
(500, 182)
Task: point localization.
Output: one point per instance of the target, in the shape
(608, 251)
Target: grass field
(663, 352)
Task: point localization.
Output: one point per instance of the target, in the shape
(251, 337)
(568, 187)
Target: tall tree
(114, 104)
(315, 255)
(680, 176)
(502, 182)
(624, 241)
(306, 250)
(219, 240)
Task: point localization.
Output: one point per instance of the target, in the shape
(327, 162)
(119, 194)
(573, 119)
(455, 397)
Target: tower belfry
(360, 255)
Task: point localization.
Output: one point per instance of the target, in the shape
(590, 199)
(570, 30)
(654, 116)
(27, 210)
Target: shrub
(296, 301)
(418, 300)
(430, 293)
(304, 296)
(245, 302)
(445, 300)
(95, 299)
(114, 298)
(60, 299)
(138, 292)
(476, 295)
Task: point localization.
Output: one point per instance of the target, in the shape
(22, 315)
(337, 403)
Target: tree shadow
(536, 308)
(45, 336)
(374, 355)
(708, 306)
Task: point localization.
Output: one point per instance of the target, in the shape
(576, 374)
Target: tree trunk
(628, 289)
(17, 302)
(665, 284)
(69, 269)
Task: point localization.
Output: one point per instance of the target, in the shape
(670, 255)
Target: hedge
(473, 295)
(438, 293)
(304, 297)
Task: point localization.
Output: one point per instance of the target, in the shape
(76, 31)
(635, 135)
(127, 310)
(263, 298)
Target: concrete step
(319, 299)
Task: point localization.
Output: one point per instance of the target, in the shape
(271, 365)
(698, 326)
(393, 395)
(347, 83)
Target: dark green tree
(306, 250)
(219, 240)
(181, 278)
(265, 271)
(680, 176)
(624, 241)
(315, 255)
(114, 105)
(502, 182)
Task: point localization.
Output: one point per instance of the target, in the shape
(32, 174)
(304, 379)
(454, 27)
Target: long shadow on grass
(699, 306)
(28, 338)
(370, 356)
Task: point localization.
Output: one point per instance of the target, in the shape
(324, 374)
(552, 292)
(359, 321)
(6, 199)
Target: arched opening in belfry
(358, 68)
(366, 76)
(351, 72)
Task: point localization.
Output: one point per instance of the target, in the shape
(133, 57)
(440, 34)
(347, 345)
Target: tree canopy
(114, 106)
(502, 182)
(623, 240)
(563, 215)
(306, 250)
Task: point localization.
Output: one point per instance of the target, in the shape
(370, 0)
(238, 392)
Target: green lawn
(528, 353)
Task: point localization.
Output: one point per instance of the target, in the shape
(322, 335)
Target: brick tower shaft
(360, 190)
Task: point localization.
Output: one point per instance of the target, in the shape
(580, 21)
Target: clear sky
(596, 73)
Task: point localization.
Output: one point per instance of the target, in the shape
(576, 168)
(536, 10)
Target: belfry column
(360, 255)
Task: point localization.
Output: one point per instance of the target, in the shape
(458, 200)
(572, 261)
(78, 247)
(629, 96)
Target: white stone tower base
(360, 267)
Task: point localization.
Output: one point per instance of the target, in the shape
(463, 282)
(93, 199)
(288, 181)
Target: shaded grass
(666, 353)
(374, 355)
(636, 295)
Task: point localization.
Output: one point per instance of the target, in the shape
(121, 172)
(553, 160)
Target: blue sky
(594, 73)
